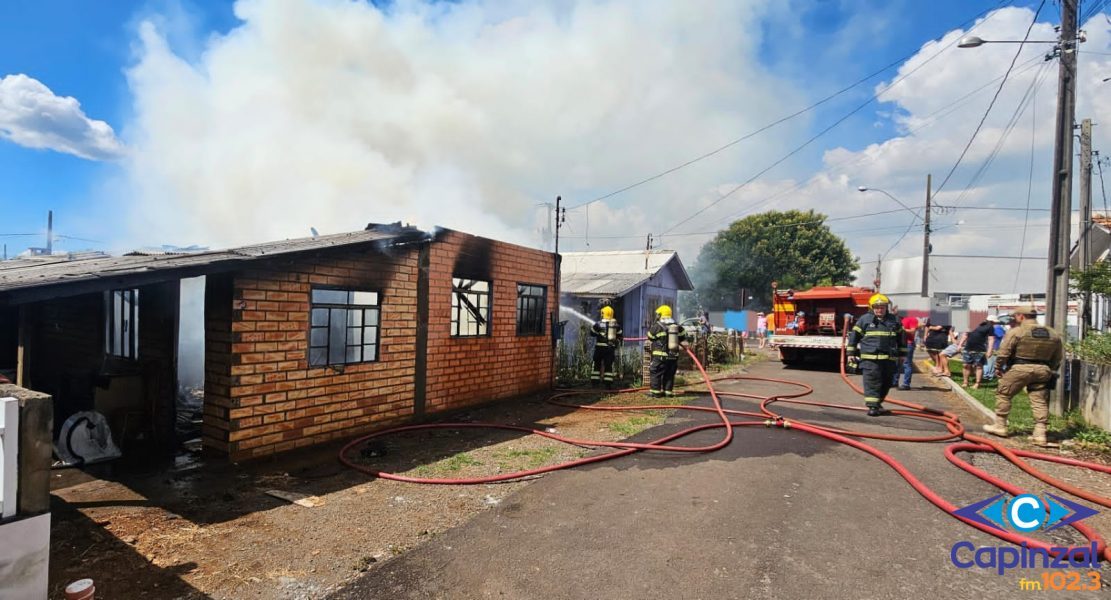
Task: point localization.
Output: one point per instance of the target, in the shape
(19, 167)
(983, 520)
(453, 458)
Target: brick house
(306, 340)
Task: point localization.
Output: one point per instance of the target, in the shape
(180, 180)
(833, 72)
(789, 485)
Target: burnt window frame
(349, 305)
(535, 316)
(123, 344)
(460, 301)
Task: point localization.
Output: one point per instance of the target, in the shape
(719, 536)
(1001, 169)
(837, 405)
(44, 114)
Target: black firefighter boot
(875, 410)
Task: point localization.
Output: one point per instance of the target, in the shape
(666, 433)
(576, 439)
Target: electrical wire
(788, 117)
(928, 121)
(1029, 191)
(1024, 103)
(1102, 189)
(994, 98)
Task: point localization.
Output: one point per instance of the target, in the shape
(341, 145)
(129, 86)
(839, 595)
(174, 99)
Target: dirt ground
(209, 530)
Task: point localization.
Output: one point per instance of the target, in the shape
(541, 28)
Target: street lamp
(972, 41)
(1057, 286)
(926, 235)
(884, 192)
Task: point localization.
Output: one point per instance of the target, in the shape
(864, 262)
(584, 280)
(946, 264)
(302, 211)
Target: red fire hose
(768, 418)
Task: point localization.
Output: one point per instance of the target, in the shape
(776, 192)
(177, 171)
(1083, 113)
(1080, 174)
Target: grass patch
(1070, 426)
(524, 459)
(450, 464)
(634, 425)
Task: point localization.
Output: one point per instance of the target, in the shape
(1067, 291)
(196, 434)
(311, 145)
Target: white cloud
(32, 116)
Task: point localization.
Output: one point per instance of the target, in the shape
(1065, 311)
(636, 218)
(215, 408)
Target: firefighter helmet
(607, 312)
(664, 311)
(879, 299)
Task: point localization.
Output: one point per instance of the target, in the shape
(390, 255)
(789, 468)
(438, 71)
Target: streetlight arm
(972, 41)
(900, 202)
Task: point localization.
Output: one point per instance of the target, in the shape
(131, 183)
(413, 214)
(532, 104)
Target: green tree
(794, 248)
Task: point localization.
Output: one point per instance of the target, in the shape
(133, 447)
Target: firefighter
(665, 338)
(876, 344)
(1028, 357)
(607, 340)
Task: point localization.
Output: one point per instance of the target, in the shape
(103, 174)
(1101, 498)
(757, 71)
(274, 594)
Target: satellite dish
(315, 234)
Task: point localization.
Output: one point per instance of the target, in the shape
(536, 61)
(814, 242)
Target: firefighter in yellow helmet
(666, 338)
(876, 344)
(607, 341)
(1029, 357)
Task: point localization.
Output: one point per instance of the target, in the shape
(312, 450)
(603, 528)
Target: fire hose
(963, 442)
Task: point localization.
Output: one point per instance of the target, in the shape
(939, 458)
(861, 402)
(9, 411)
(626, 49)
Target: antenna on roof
(315, 234)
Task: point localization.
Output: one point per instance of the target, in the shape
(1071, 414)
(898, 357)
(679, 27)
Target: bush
(1094, 348)
(576, 361)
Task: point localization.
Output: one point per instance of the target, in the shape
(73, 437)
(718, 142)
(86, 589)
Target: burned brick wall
(261, 394)
(464, 371)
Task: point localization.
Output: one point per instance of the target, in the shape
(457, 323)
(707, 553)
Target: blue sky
(816, 46)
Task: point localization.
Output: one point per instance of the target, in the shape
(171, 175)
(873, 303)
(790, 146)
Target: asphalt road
(777, 514)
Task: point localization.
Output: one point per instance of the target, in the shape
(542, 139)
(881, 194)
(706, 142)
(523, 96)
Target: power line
(790, 116)
(928, 121)
(1102, 189)
(1024, 103)
(993, 98)
(1029, 188)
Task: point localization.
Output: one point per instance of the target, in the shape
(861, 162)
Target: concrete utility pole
(1057, 288)
(49, 232)
(926, 241)
(1085, 242)
(879, 271)
(560, 216)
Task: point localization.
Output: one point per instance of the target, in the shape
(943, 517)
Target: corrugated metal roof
(613, 273)
(58, 269)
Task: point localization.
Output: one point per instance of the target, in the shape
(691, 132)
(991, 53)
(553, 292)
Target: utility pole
(49, 232)
(879, 271)
(926, 241)
(647, 251)
(561, 217)
(1085, 242)
(1057, 288)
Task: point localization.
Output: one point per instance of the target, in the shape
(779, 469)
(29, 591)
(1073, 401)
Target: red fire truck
(810, 323)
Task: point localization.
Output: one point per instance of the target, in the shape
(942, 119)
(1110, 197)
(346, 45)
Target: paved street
(777, 514)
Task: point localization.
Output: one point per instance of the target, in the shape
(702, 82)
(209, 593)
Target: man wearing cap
(876, 343)
(1028, 357)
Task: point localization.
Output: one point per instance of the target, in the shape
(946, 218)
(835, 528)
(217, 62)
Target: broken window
(121, 323)
(532, 303)
(470, 307)
(343, 327)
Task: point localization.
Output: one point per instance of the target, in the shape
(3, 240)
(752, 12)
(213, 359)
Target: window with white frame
(121, 323)
(470, 307)
(343, 327)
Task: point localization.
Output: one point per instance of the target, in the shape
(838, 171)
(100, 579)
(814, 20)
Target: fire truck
(810, 323)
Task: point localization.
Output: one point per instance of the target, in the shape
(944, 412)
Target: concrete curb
(956, 388)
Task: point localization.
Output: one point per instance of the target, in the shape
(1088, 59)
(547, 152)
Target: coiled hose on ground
(955, 432)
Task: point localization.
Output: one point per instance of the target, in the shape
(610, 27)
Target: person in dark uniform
(876, 344)
(1028, 357)
(666, 338)
(607, 341)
